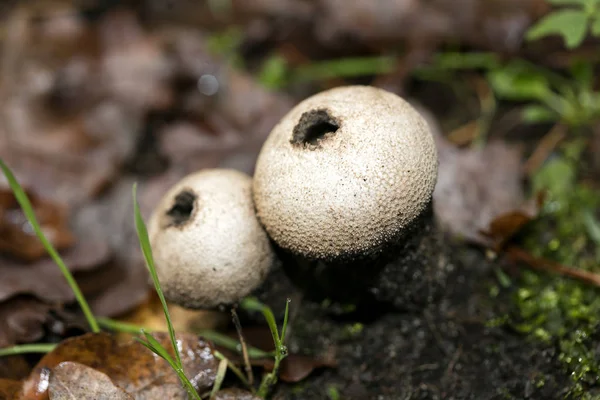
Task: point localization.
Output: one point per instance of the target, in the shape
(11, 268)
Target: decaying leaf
(10, 389)
(151, 316)
(74, 381)
(130, 366)
(475, 186)
(21, 321)
(43, 278)
(17, 237)
(234, 394)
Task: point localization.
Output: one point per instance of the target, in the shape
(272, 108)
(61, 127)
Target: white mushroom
(208, 246)
(345, 173)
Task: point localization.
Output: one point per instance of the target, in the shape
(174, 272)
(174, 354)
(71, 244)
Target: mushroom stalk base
(410, 273)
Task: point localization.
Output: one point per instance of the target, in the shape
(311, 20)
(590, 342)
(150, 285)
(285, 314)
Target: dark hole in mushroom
(313, 126)
(182, 209)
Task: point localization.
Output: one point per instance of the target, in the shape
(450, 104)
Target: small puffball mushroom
(344, 173)
(343, 186)
(208, 246)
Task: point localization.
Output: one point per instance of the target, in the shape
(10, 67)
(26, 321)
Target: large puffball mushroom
(208, 246)
(343, 181)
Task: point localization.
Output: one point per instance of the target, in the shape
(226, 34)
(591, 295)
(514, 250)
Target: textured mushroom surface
(208, 246)
(344, 173)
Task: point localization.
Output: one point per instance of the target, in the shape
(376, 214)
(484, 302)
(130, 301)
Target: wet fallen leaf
(17, 237)
(129, 365)
(13, 367)
(234, 394)
(71, 380)
(10, 389)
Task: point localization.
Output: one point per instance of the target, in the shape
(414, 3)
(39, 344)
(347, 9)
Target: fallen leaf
(72, 381)
(505, 226)
(234, 394)
(10, 389)
(17, 237)
(22, 320)
(131, 366)
(44, 279)
(151, 316)
(475, 186)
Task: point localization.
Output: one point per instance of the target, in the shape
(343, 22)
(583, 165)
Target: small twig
(545, 147)
(518, 254)
(238, 328)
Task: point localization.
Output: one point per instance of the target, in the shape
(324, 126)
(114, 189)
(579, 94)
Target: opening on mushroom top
(182, 209)
(314, 126)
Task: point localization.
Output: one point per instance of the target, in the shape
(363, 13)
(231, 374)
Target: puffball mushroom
(208, 246)
(343, 184)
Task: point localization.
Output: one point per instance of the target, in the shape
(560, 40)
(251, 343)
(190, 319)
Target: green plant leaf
(274, 72)
(252, 304)
(592, 226)
(517, 81)
(595, 26)
(570, 24)
(344, 68)
(583, 72)
(463, 60)
(535, 114)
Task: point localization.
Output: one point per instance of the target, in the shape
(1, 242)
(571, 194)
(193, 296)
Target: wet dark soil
(447, 350)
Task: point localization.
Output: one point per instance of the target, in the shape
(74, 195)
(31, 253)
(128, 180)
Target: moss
(556, 309)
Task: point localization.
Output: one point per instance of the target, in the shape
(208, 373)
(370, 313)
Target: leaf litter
(60, 106)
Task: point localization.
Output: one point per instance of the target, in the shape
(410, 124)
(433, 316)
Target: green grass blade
(30, 214)
(119, 326)
(238, 372)
(252, 304)
(232, 344)
(27, 348)
(221, 371)
(285, 319)
(142, 233)
(159, 348)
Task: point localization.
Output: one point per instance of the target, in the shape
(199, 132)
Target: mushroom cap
(208, 246)
(345, 173)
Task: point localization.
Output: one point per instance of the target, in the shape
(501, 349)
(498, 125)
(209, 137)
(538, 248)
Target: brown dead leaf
(150, 315)
(22, 320)
(234, 394)
(17, 237)
(504, 227)
(44, 279)
(10, 389)
(129, 365)
(71, 381)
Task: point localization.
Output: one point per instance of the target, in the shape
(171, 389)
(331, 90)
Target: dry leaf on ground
(71, 380)
(130, 365)
(17, 237)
